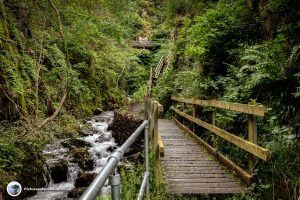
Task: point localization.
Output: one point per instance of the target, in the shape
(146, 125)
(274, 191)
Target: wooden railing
(249, 145)
(159, 67)
(152, 112)
(150, 84)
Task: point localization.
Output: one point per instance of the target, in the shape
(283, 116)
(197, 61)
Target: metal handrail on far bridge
(110, 169)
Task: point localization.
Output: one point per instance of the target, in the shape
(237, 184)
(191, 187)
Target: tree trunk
(65, 92)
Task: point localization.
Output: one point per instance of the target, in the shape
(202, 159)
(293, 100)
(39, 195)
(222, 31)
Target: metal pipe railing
(109, 170)
(146, 138)
(143, 186)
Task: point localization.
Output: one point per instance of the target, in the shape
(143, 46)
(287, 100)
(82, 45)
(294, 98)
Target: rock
(65, 198)
(75, 143)
(103, 138)
(59, 172)
(110, 106)
(82, 157)
(87, 132)
(123, 126)
(98, 111)
(111, 149)
(33, 174)
(84, 179)
(76, 192)
(134, 149)
(136, 158)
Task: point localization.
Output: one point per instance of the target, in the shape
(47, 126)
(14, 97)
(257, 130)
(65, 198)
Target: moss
(21, 161)
(82, 157)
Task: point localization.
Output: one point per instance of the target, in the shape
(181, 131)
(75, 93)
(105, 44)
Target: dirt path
(136, 109)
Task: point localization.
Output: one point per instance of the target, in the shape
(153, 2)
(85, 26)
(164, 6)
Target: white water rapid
(101, 141)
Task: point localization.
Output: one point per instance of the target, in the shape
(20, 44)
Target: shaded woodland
(65, 60)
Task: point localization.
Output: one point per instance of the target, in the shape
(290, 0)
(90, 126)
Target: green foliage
(206, 40)
(89, 55)
(103, 68)
(140, 94)
(184, 7)
(220, 55)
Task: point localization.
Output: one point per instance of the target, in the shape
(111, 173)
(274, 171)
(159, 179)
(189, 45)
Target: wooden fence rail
(249, 145)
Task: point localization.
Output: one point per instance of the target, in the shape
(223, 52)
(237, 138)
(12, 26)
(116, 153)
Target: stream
(100, 144)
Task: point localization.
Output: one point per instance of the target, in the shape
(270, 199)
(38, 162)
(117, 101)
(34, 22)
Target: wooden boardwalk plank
(188, 169)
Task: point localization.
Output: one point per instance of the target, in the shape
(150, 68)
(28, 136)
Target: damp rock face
(123, 126)
(59, 172)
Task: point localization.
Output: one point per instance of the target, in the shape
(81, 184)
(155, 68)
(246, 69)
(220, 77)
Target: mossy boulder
(75, 143)
(82, 157)
(59, 172)
(84, 179)
(32, 172)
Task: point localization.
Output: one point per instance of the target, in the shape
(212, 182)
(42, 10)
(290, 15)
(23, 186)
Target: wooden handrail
(238, 107)
(159, 67)
(244, 144)
(245, 176)
(152, 111)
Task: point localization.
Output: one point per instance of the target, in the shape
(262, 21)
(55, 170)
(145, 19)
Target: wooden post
(155, 124)
(213, 122)
(146, 108)
(252, 137)
(183, 109)
(150, 118)
(157, 170)
(149, 88)
(194, 115)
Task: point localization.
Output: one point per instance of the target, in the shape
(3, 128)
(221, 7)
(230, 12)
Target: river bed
(100, 142)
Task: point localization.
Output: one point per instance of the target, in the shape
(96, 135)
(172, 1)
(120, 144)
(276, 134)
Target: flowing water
(101, 141)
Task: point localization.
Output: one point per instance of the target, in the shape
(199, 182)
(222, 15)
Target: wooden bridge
(189, 165)
(189, 168)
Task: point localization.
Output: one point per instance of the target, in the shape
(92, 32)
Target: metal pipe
(115, 181)
(143, 186)
(97, 184)
(133, 137)
(147, 160)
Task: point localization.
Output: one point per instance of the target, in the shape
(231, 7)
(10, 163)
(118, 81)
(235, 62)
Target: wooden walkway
(188, 169)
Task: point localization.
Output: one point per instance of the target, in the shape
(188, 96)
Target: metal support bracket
(115, 181)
